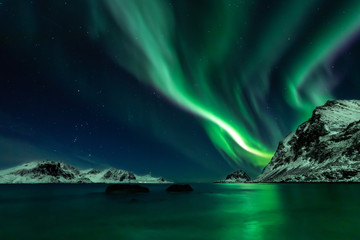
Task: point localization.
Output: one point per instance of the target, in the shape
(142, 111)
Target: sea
(212, 211)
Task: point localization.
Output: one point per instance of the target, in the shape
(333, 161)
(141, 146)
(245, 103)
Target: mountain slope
(323, 149)
(59, 172)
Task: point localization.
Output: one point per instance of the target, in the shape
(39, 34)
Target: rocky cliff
(323, 149)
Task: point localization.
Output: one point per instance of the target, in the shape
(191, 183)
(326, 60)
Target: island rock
(126, 188)
(235, 177)
(180, 188)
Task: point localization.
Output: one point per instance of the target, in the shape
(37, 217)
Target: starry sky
(187, 90)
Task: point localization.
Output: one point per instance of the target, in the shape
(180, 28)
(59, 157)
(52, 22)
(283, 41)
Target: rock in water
(180, 188)
(126, 188)
(235, 177)
(323, 149)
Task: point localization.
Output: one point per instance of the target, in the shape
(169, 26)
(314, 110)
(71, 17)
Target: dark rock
(119, 175)
(235, 177)
(180, 188)
(108, 174)
(48, 169)
(125, 188)
(238, 175)
(127, 176)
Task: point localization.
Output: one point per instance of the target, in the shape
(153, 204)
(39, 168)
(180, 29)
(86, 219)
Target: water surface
(212, 211)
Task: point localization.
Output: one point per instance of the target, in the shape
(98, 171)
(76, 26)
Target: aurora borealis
(199, 86)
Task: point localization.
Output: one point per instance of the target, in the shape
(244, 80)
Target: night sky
(187, 90)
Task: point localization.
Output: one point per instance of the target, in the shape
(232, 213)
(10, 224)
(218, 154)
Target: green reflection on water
(252, 210)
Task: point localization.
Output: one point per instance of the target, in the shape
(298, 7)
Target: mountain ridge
(59, 172)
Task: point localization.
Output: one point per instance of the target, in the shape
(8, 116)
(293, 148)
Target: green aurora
(218, 65)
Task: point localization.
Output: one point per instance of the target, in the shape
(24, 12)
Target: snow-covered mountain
(59, 172)
(323, 149)
(235, 177)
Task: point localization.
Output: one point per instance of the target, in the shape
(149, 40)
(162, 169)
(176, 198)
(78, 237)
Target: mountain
(59, 172)
(235, 177)
(323, 149)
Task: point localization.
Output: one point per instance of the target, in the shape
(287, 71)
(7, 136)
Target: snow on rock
(235, 177)
(59, 172)
(110, 175)
(323, 149)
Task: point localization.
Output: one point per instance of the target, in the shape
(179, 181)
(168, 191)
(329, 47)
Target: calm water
(212, 211)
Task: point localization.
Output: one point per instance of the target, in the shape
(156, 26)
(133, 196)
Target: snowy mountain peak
(60, 172)
(324, 148)
(336, 114)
